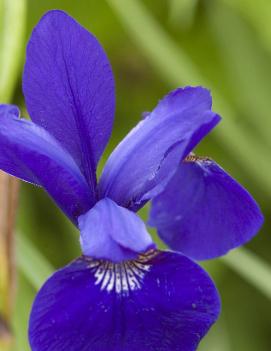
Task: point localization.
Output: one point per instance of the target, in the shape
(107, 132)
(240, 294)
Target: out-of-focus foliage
(155, 46)
(12, 34)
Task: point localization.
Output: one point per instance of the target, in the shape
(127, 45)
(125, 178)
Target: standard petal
(144, 161)
(30, 153)
(203, 212)
(109, 231)
(161, 301)
(69, 88)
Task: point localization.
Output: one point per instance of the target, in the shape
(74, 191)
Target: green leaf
(251, 268)
(247, 66)
(31, 262)
(34, 269)
(258, 14)
(12, 32)
(182, 12)
(25, 297)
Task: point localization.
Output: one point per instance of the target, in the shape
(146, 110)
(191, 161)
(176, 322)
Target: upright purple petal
(141, 165)
(69, 88)
(109, 231)
(203, 212)
(160, 301)
(30, 153)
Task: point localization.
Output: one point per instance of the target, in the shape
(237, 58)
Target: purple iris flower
(123, 294)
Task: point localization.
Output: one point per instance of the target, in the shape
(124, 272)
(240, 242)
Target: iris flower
(122, 294)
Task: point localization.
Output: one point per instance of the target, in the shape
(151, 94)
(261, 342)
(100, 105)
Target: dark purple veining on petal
(203, 212)
(30, 153)
(126, 297)
(160, 301)
(69, 89)
(142, 164)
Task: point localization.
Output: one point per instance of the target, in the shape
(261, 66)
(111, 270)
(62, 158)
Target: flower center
(194, 158)
(121, 277)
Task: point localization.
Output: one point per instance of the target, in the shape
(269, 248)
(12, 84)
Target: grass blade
(31, 262)
(249, 266)
(13, 15)
(182, 12)
(247, 65)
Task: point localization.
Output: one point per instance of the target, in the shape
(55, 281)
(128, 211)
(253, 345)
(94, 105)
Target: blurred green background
(155, 46)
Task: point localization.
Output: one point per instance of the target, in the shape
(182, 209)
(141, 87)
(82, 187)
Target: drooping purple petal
(111, 232)
(203, 212)
(7, 110)
(160, 301)
(69, 88)
(141, 165)
(28, 152)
